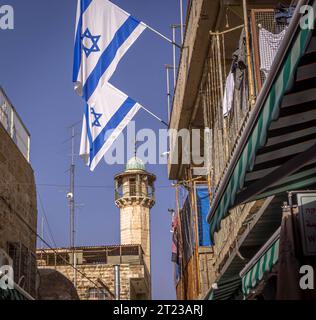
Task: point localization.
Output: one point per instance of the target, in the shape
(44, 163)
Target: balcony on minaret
(135, 186)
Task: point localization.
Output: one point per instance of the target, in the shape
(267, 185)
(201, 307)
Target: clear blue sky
(36, 72)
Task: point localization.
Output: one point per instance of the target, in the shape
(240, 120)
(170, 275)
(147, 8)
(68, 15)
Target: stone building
(111, 272)
(96, 276)
(18, 208)
(257, 126)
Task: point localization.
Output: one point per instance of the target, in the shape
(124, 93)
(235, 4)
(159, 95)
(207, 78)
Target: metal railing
(129, 254)
(134, 190)
(13, 124)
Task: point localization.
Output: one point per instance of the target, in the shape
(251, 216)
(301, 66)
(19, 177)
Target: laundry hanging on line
(283, 14)
(228, 94)
(236, 76)
(269, 44)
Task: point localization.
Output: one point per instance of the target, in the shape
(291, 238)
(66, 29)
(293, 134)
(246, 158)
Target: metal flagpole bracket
(161, 35)
(156, 117)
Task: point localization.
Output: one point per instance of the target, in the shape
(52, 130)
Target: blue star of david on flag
(97, 116)
(94, 39)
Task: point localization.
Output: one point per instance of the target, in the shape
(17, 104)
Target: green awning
(277, 150)
(11, 294)
(263, 265)
(226, 290)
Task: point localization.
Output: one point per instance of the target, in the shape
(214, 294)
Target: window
(132, 187)
(98, 294)
(24, 266)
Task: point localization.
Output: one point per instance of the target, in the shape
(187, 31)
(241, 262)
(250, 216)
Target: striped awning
(277, 150)
(265, 264)
(226, 290)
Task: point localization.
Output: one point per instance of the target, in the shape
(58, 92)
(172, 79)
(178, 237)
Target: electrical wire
(77, 186)
(48, 245)
(46, 220)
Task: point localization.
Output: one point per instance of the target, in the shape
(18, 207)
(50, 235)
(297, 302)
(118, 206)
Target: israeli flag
(104, 33)
(103, 123)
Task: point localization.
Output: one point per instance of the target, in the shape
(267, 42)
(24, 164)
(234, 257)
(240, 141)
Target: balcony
(134, 191)
(12, 123)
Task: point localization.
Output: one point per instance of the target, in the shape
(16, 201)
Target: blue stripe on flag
(108, 56)
(87, 118)
(114, 122)
(84, 4)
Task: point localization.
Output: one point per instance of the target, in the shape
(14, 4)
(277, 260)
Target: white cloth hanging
(229, 94)
(269, 44)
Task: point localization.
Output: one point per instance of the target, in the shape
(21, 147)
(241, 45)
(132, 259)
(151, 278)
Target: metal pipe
(72, 205)
(192, 189)
(156, 117)
(220, 70)
(161, 35)
(174, 56)
(42, 231)
(117, 282)
(249, 60)
(168, 94)
(181, 23)
(226, 31)
(221, 80)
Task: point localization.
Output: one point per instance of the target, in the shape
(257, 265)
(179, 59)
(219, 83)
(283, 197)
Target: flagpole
(161, 35)
(181, 23)
(168, 92)
(156, 117)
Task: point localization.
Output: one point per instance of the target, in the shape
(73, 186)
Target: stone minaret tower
(135, 196)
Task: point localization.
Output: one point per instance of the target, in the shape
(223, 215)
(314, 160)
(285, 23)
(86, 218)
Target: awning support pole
(196, 231)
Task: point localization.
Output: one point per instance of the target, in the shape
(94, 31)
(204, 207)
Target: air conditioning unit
(5, 260)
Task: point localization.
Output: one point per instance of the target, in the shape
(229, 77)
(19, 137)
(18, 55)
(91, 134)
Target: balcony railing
(134, 190)
(12, 123)
(128, 254)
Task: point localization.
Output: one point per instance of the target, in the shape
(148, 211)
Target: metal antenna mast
(71, 199)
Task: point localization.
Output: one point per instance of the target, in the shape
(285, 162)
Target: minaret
(135, 196)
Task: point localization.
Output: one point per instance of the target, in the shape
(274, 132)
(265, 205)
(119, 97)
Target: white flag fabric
(104, 33)
(103, 123)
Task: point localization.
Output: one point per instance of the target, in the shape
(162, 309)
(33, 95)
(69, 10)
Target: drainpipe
(117, 282)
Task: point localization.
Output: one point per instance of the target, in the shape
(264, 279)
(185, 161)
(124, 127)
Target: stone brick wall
(17, 195)
(231, 228)
(107, 274)
(135, 228)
